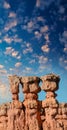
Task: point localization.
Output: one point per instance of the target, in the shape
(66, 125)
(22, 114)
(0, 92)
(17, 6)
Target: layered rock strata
(32, 114)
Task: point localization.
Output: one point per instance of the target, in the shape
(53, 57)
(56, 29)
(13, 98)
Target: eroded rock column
(61, 117)
(14, 86)
(16, 116)
(3, 117)
(31, 87)
(50, 104)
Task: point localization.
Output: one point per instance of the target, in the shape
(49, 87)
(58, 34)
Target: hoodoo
(32, 114)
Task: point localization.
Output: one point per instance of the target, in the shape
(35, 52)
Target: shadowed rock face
(50, 82)
(32, 114)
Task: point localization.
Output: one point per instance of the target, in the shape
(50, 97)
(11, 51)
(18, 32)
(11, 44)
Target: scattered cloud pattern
(33, 38)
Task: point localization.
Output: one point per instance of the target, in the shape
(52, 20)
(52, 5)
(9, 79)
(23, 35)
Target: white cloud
(30, 24)
(46, 36)
(42, 59)
(37, 34)
(16, 39)
(28, 69)
(37, 3)
(63, 62)
(45, 67)
(11, 69)
(1, 66)
(0, 41)
(7, 39)
(40, 19)
(44, 29)
(4, 91)
(12, 52)
(27, 49)
(63, 37)
(45, 48)
(10, 25)
(65, 34)
(19, 57)
(63, 40)
(65, 67)
(43, 3)
(0, 33)
(42, 68)
(12, 15)
(32, 61)
(6, 5)
(18, 64)
(3, 71)
(9, 50)
(61, 9)
(65, 48)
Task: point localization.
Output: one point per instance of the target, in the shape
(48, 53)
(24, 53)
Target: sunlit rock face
(32, 114)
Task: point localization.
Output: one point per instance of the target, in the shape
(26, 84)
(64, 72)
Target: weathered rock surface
(30, 84)
(50, 82)
(32, 114)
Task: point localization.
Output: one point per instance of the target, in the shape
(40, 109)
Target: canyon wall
(32, 114)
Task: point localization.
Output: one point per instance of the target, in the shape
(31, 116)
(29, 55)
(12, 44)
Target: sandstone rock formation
(32, 114)
(50, 104)
(31, 87)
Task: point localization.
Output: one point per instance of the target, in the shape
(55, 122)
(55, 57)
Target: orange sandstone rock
(32, 114)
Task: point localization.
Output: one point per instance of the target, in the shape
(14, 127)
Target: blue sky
(33, 41)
